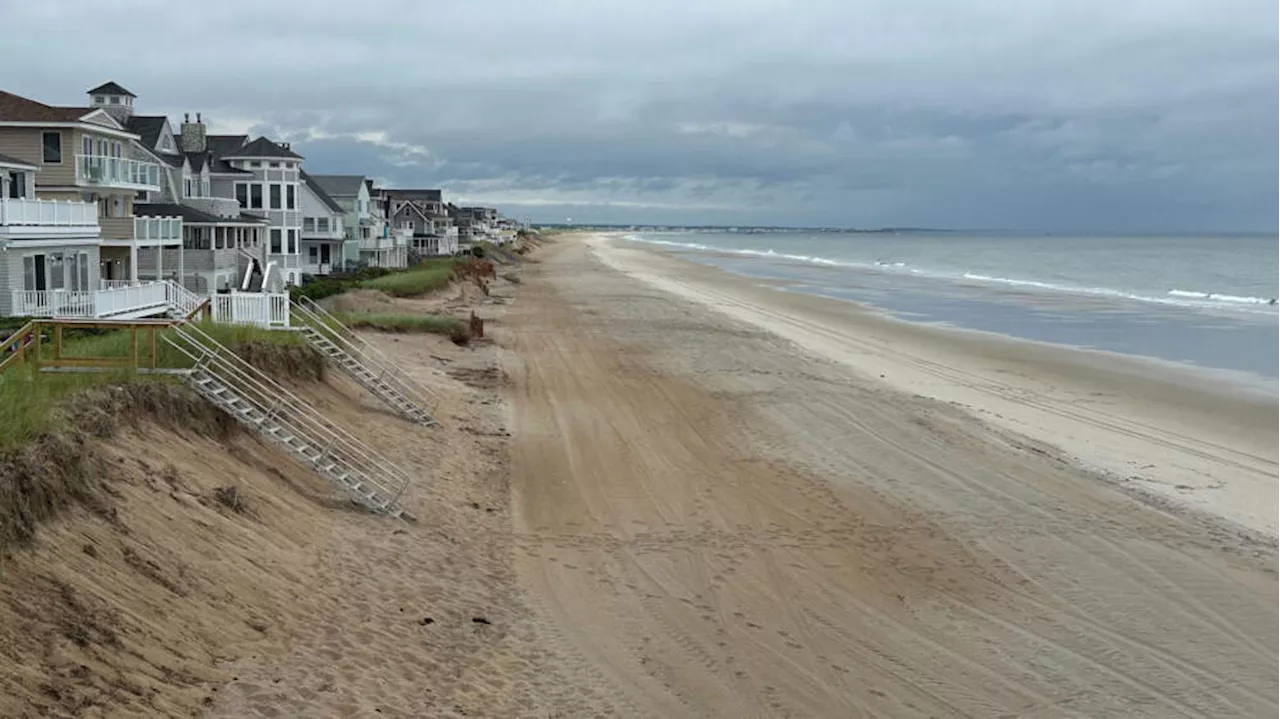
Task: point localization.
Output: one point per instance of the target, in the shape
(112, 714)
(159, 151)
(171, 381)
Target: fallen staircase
(262, 404)
(365, 363)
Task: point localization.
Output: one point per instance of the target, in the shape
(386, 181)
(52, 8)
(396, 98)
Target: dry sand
(717, 522)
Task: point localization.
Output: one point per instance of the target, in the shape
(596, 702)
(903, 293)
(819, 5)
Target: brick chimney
(193, 133)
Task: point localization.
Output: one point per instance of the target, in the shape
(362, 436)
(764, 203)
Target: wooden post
(153, 347)
(57, 341)
(35, 361)
(133, 337)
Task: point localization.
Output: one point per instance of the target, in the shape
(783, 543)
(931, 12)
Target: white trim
(23, 164)
(108, 131)
(14, 244)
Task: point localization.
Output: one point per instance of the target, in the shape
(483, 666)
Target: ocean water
(1206, 302)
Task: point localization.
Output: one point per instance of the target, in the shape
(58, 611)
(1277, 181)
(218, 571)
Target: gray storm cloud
(1048, 115)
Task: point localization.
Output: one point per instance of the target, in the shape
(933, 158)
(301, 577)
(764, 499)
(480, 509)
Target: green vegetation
(30, 406)
(456, 329)
(412, 282)
(415, 282)
(31, 400)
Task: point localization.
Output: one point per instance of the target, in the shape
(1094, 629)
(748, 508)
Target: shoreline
(1153, 428)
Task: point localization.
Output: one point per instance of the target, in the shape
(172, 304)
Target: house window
(293, 241)
(313, 254)
(308, 224)
(273, 164)
(275, 240)
(186, 186)
(219, 239)
(99, 99)
(86, 145)
(255, 196)
(52, 142)
(275, 196)
(242, 194)
(115, 100)
(322, 224)
(288, 197)
(204, 187)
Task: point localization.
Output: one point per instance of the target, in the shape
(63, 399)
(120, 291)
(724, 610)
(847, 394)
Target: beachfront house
(269, 187)
(387, 244)
(352, 194)
(69, 238)
(323, 232)
(424, 213)
(219, 240)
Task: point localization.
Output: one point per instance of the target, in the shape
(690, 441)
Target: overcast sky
(1018, 114)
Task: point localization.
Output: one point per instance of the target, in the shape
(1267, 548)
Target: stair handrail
(292, 413)
(293, 417)
(17, 356)
(182, 299)
(389, 370)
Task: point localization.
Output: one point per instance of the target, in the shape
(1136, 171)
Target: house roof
(189, 214)
(320, 193)
(174, 160)
(15, 108)
(223, 145)
(7, 161)
(110, 88)
(428, 195)
(262, 147)
(221, 167)
(197, 160)
(340, 185)
(148, 127)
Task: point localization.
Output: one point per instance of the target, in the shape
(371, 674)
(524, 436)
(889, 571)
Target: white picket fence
(260, 309)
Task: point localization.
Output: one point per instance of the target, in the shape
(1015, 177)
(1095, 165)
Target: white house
(323, 229)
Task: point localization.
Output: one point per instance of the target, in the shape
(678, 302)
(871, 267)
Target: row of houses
(101, 203)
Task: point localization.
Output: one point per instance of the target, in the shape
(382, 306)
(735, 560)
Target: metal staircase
(262, 404)
(364, 362)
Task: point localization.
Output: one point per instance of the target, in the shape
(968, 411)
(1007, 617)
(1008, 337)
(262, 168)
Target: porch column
(159, 250)
(181, 265)
(133, 263)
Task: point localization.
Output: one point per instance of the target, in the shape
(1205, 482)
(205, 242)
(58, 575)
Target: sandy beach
(662, 491)
(730, 502)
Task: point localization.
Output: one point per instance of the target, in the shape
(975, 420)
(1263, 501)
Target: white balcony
(43, 218)
(117, 172)
(137, 300)
(157, 230)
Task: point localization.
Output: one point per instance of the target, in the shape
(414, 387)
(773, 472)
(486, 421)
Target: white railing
(106, 302)
(261, 309)
(164, 229)
(112, 284)
(180, 298)
(55, 213)
(285, 260)
(117, 171)
(375, 243)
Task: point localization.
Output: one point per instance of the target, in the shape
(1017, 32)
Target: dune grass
(429, 276)
(30, 401)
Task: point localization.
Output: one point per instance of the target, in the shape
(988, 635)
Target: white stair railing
(181, 300)
(256, 400)
(364, 362)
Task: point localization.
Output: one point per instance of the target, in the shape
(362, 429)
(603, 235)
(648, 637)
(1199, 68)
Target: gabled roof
(340, 185)
(110, 88)
(7, 161)
(262, 147)
(148, 127)
(197, 160)
(320, 193)
(15, 108)
(415, 210)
